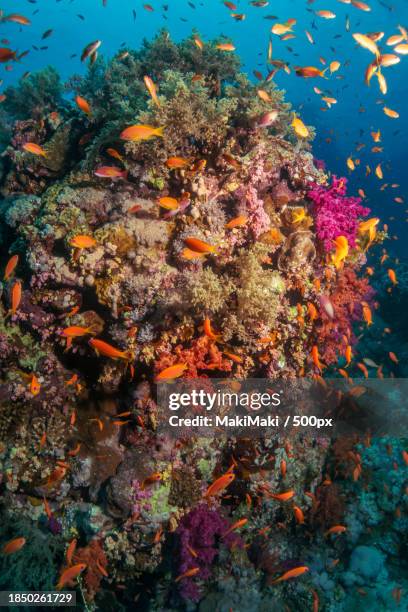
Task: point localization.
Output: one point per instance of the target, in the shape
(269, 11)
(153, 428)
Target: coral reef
(204, 248)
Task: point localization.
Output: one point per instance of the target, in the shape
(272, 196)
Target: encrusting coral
(207, 247)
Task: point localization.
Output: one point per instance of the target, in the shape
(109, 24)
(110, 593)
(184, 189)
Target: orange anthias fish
(16, 18)
(70, 551)
(367, 315)
(110, 172)
(7, 55)
(393, 357)
(75, 331)
(342, 249)
(155, 477)
(136, 133)
(236, 222)
(282, 496)
(13, 546)
(82, 242)
(16, 292)
(107, 350)
(225, 47)
(299, 516)
(114, 153)
(10, 267)
(198, 246)
(168, 203)
(83, 105)
(193, 571)
(236, 525)
(69, 574)
(293, 573)
(35, 386)
(336, 529)
(172, 372)
(151, 88)
(309, 72)
(316, 359)
(177, 162)
(34, 148)
(209, 332)
(392, 276)
(220, 484)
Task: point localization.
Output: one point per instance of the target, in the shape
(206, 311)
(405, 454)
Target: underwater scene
(203, 305)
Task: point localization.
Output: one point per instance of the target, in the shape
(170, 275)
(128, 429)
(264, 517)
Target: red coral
(203, 354)
(96, 563)
(349, 292)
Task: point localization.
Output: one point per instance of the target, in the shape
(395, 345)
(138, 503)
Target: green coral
(36, 94)
(36, 566)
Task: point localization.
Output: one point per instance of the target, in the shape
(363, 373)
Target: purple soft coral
(200, 532)
(335, 213)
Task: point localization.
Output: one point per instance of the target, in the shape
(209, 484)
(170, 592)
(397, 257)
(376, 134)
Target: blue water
(126, 22)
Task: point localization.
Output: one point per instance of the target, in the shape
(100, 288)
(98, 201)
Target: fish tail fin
(324, 72)
(160, 131)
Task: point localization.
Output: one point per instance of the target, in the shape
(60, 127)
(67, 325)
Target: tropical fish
(392, 276)
(293, 573)
(76, 331)
(35, 386)
(7, 55)
(282, 496)
(326, 14)
(342, 249)
(220, 484)
(16, 18)
(390, 113)
(90, 49)
(193, 571)
(69, 574)
(13, 546)
(10, 267)
(83, 105)
(70, 551)
(299, 516)
(16, 292)
(393, 357)
(299, 127)
(315, 358)
(82, 241)
(336, 529)
(114, 153)
(367, 43)
(34, 148)
(199, 246)
(110, 172)
(136, 133)
(236, 222)
(209, 332)
(151, 88)
(107, 350)
(225, 47)
(237, 525)
(177, 162)
(172, 372)
(308, 72)
(168, 203)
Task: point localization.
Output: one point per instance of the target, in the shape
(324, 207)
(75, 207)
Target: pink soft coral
(335, 214)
